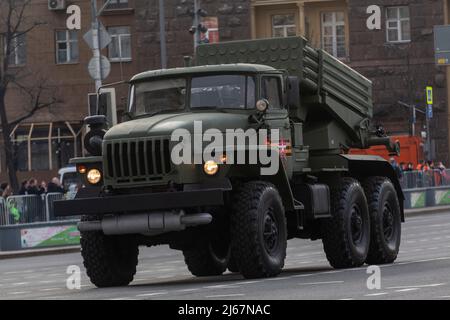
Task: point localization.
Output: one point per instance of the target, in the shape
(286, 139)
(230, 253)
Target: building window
(120, 47)
(117, 4)
(283, 25)
(333, 33)
(398, 24)
(66, 47)
(18, 50)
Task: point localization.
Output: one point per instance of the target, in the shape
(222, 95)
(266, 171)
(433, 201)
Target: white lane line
(50, 289)
(418, 286)
(347, 299)
(320, 282)
(444, 297)
(123, 298)
(187, 290)
(221, 286)
(165, 277)
(48, 281)
(19, 283)
(277, 279)
(150, 294)
(248, 282)
(18, 292)
(226, 295)
(375, 294)
(407, 290)
(19, 272)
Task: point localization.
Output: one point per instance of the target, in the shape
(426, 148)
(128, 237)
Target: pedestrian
(3, 187)
(409, 167)
(33, 187)
(23, 187)
(7, 191)
(397, 168)
(55, 186)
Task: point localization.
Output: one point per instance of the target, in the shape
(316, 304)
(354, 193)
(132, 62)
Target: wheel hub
(388, 223)
(356, 225)
(270, 231)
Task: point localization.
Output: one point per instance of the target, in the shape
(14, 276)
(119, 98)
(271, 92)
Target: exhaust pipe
(145, 223)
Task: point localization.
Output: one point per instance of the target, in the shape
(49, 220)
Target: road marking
(50, 289)
(418, 286)
(48, 281)
(19, 283)
(248, 282)
(188, 290)
(152, 294)
(322, 282)
(226, 295)
(123, 298)
(407, 289)
(18, 272)
(19, 292)
(221, 286)
(277, 279)
(347, 299)
(376, 294)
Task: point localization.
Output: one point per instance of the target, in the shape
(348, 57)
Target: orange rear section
(411, 150)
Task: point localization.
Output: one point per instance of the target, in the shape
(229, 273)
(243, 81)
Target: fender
(366, 166)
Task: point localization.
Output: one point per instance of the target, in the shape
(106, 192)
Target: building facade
(398, 58)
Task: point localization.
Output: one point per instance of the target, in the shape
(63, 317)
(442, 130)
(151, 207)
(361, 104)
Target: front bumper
(139, 202)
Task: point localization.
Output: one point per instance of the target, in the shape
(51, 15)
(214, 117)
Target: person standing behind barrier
(397, 168)
(54, 186)
(443, 173)
(7, 191)
(33, 187)
(23, 187)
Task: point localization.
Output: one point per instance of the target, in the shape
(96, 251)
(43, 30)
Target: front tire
(110, 261)
(258, 230)
(385, 220)
(346, 236)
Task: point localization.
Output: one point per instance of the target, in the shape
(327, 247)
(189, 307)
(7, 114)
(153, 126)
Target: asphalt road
(422, 271)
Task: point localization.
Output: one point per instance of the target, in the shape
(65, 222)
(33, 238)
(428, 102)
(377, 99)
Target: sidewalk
(38, 252)
(425, 211)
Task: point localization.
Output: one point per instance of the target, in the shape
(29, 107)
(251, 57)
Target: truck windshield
(218, 91)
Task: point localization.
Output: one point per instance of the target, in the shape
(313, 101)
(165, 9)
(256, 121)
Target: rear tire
(346, 235)
(110, 261)
(385, 220)
(258, 230)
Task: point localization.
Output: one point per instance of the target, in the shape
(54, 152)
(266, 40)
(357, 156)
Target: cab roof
(232, 68)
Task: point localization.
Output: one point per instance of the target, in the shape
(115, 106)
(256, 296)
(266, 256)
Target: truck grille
(137, 160)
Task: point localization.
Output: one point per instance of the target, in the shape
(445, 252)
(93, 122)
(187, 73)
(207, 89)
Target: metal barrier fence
(425, 179)
(29, 209)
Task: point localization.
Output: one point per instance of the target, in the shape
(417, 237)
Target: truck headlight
(210, 167)
(94, 176)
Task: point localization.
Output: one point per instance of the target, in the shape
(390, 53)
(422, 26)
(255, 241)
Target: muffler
(145, 223)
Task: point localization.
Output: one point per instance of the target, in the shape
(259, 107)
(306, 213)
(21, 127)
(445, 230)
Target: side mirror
(293, 92)
(102, 105)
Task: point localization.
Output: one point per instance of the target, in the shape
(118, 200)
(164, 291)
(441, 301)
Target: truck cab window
(223, 91)
(270, 90)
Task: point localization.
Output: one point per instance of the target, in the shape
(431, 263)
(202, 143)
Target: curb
(426, 211)
(38, 252)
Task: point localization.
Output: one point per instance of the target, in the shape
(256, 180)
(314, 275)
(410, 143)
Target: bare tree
(15, 23)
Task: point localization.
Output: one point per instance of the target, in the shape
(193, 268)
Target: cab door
(276, 117)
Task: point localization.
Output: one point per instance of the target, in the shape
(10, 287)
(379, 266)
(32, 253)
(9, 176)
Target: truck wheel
(110, 261)
(232, 264)
(385, 220)
(346, 235)
(207, 258)
(258, 230)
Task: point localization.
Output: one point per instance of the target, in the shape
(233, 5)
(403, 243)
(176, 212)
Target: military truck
(223, 215)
